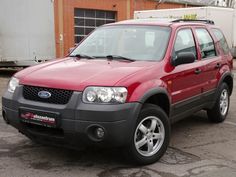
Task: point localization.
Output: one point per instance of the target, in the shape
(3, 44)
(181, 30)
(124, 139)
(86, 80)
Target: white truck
(225, 18)
(27, 34)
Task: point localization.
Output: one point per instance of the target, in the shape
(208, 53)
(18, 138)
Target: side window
(221, 39)
(206, 43)
(184, 42)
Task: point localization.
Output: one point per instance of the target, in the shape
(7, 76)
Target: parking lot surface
(197, 149)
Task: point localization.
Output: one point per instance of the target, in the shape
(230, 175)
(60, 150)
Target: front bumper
(77, 119)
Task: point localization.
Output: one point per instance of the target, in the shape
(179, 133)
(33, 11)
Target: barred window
(86, 20)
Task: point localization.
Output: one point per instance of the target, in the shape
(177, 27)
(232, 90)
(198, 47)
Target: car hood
(76, 74)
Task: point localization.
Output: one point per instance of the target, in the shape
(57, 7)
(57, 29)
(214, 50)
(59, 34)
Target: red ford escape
(123, 86)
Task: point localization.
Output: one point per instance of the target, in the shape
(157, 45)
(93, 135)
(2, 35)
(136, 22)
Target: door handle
(218, 65)
(198, 71)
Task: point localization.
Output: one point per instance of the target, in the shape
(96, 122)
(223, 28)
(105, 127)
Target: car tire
(220, 109)
(151, 136)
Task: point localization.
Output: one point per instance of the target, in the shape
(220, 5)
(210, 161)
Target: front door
(185, 80)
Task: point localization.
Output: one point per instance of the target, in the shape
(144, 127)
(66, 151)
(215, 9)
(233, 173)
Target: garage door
(87, 20)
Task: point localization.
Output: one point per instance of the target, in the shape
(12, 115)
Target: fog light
(99, 132)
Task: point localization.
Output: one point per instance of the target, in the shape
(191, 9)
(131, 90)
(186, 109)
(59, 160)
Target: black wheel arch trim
(154, 91)
(226, 74)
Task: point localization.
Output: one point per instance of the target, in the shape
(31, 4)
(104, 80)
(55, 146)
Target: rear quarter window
(221, 40)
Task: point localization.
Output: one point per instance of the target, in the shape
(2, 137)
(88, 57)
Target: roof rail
(189, 20)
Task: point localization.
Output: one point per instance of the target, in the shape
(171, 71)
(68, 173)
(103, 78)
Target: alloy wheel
(149, 136)
(224, 102)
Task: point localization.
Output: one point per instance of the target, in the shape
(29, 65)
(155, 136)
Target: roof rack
(200, 21)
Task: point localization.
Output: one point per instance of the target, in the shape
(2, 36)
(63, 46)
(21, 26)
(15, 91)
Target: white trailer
(27, 34)
(225, 18)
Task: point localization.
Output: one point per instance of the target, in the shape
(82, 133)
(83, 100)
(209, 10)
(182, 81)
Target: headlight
(13, 83)
(105, 95)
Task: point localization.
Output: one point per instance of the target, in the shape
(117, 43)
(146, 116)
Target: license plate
(47, 119)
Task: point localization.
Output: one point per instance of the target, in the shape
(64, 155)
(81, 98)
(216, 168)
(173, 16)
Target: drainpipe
(128, 6)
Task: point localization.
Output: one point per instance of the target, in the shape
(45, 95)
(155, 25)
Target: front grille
(58, 96)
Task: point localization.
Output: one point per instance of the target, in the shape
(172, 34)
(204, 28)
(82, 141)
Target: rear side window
(221, 39)
(206, 43)
(184, 42)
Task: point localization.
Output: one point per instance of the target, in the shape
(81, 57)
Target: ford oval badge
(44, 94)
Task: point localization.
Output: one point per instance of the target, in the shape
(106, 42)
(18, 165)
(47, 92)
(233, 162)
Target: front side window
(130, 41)
(206, 43)
(222, 41)
(184, 42)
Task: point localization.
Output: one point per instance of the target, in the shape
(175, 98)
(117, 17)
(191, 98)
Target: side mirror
(183, 58)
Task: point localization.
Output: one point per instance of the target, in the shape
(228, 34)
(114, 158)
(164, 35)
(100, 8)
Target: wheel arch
(228, 79)
(158, 96)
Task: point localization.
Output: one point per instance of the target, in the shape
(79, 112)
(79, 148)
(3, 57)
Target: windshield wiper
(82, 56)
(118, 57)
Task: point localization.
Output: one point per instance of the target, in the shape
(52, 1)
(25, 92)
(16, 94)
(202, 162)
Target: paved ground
(197, 149)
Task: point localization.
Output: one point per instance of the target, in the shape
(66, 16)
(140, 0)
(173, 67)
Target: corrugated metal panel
(27, 30)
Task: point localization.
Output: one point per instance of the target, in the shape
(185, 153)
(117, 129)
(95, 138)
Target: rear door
(210, 58)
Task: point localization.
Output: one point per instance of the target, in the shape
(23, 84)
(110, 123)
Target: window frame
(194, 38)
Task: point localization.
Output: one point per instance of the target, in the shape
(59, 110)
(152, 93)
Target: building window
(86, 20)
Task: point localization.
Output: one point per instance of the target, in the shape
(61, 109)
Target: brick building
(74, 19)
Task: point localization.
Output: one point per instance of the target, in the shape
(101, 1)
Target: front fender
(148, 89)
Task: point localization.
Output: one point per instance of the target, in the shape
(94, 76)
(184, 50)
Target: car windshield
(127, 41)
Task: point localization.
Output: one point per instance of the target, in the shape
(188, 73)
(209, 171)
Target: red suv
(123, 86)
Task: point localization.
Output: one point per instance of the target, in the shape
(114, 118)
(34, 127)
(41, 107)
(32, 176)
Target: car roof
(164, 22)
